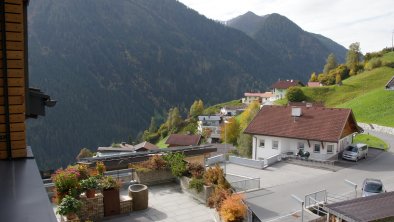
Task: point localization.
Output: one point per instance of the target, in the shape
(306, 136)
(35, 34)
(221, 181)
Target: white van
(355, 152)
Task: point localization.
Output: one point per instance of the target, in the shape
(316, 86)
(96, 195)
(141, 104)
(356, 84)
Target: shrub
(66, 182)
(215, 176)
(197, 184)
(373, 63)
(69, 205)
(107, 182)
(83, 171)
(100, 167)
(295, 94)
(217, 197)
(177, 164)
(196, 170)
(233, 209)
(155, 162)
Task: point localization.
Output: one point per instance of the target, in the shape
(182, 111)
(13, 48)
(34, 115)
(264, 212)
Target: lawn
(216, 108)
(161, 143)
(371, 141)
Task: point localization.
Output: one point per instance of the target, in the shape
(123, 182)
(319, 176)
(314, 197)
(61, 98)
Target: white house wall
(290, 145)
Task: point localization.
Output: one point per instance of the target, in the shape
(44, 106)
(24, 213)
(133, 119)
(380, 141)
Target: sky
(369, 22)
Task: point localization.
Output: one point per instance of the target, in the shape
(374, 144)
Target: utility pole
(392, 41)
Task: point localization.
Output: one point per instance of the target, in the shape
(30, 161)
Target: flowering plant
(107, 182)
(89, 183)
(66, 182)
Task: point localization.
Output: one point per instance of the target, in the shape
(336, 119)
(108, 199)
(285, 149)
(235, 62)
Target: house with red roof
(323, 132)
(183, 140)
(280, 87)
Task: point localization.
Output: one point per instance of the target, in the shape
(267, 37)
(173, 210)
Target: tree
(295, 94)
(353, 57)
(85, 152)
(197, 108)
(331, 63)
(250, 112)
(245, 145)
(152, 125)
(174, 119)
(313, 78)
(230, 131)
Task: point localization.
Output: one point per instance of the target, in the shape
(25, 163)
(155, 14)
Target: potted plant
(66, 183)
(90, 185)
(69, 207)
(111, 199)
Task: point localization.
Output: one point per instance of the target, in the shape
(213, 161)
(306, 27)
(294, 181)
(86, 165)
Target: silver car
(372, 187)
(355, 152)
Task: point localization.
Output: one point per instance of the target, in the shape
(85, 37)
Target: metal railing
(242, 183)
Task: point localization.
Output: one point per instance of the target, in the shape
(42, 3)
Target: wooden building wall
(13, 64)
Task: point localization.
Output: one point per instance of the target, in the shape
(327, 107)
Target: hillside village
(259, 132)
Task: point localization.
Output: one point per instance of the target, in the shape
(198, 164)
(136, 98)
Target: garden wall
(154, 177)
(202, 196)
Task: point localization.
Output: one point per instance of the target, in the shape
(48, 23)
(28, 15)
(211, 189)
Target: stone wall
(377, 128)
(126, 204)
(154, 177)
(92, 208)
(202, 196)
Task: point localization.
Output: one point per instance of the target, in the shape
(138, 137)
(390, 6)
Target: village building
(279, 88)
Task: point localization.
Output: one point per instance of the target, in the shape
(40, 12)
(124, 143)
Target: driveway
(274, 199)
(167, 203)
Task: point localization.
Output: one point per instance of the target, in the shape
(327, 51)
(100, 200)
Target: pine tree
(152, 125)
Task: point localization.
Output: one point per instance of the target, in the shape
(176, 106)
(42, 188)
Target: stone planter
(202, 196)
(154, 177)
(68, 219)
(92, 208)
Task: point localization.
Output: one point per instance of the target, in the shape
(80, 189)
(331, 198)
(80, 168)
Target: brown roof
(183, 140)
(285, 84)
(369, 208)
(315, 123)
(146, 145)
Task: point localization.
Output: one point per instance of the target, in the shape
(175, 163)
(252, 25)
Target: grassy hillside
(364, 93)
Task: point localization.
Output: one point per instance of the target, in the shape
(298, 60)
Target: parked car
(355, 152)
(372, 187)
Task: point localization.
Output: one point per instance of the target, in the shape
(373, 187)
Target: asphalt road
(274, 202)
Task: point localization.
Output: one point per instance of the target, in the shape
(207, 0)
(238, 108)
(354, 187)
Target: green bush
(68, 205)
(295, 94)
(176, 163)
(197, 184)
(90, 183)
(373, 63)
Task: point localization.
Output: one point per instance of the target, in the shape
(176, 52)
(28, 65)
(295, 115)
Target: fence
(242, 183)
(259, 164)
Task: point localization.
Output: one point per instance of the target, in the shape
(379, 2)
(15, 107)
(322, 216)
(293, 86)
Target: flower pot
(71, 216)
(91, 193)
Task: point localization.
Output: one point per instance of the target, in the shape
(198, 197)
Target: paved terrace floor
(167, 203)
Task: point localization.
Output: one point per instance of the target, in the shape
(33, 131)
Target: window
(330, 148)
(262, 143)
(275, 145)
(317, 148)
(300, 145)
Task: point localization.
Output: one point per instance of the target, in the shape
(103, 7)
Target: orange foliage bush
(217, 197)
(233, 209)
